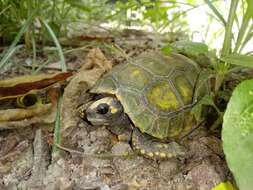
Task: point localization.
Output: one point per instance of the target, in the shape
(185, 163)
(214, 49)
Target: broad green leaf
(238, 59)
(237, 134)
(190, 48)
(224, 186)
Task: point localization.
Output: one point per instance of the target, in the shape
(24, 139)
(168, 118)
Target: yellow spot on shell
(135, 73)
(169, 155)
(143, 151)
(184, 88)
(162, 97)
(157, 153)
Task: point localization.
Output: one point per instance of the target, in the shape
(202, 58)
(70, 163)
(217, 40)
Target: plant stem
(226, 49)
(243, 29)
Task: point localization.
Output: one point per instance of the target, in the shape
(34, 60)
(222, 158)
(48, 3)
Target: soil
(92, 158)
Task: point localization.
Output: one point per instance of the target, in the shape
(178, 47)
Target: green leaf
(240, 60)
(79, 4)
(190, 48)
(166, 50)
(224, 186)
(237, 134)
(250, 7)
(244, 26)
(216, 12)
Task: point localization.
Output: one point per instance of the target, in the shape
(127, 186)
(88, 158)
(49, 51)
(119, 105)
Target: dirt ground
(90, 157)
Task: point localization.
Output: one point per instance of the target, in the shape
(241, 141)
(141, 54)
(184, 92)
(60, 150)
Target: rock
(169, 167)
(205, 176)
(58, 176)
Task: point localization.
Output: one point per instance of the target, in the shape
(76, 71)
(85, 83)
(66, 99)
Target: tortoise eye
(102, 108)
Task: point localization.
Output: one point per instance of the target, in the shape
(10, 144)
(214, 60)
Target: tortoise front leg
(149, 147)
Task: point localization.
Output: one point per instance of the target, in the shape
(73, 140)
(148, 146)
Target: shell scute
(144, 121)
(184, 88)
(131, 101)
(161, 97)
(107, 84)
(133, 76)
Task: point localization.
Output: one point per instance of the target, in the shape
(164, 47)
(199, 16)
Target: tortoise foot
(150, 148)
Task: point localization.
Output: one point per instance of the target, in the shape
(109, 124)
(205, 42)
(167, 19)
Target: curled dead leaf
(95, 65)
(22, 113)
(19, 86)
(47, 117)
(12, 91)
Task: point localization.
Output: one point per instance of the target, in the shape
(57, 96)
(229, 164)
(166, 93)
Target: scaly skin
(148, 146)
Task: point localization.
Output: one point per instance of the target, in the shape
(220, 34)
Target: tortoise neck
(122, 120)
(121, 126)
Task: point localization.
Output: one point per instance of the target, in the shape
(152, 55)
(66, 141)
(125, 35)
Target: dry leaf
(94, 66)
(11, 89)
(19, 86)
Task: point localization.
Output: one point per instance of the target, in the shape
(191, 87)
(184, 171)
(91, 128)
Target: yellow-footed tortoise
(150, 98)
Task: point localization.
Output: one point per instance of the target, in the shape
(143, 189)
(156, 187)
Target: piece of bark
(40, 161)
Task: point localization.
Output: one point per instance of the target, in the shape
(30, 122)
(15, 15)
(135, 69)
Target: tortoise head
(105, 111)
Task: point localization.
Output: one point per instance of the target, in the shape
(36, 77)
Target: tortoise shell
(156, 91)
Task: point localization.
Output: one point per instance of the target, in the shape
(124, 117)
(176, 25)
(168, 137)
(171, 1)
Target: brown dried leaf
(23, 113)
(94, 66)
(47, 117)
(19, 86)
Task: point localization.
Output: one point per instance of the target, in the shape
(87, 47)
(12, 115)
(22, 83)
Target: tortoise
(148, 102)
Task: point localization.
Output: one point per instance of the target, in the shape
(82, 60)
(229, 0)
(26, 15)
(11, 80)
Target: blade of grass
(247, 38)
(243, 29)
(228, 29)
(57, 128)
(4, 10)
(34, 52)
(239, 60)
(216, 12)
(9, 52)
(57, 44)
(41, 67)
